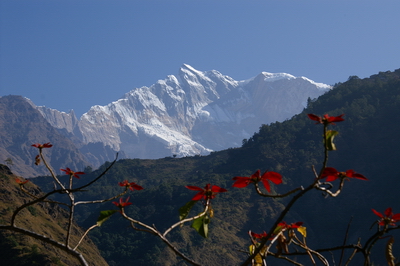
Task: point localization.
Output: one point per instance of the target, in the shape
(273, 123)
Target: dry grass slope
(46, 219)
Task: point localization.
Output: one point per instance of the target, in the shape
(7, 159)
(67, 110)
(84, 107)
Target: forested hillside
(367, 142)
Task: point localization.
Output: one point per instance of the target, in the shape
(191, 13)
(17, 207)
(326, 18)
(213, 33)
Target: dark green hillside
(158, 204)
(367, 136)
(367, 142)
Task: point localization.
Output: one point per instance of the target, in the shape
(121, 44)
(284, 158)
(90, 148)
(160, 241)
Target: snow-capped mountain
(191, 113)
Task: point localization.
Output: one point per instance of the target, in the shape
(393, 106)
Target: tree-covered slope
(367, 143)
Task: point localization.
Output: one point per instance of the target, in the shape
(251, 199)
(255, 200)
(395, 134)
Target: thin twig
(154, 231)
(103, 173)
(189, 219)
(83, 236)
(43, 238)
(36, 197)
(51, 170)
(276, 195)
(345, 240)
(285, 258)
(70, 220)
(330, 192)
(33, 202)
(101, 201)
(141, 229)
(353, 253)
(309, 251)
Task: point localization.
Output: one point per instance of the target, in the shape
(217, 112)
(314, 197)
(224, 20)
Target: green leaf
(104, 215)
(277, 229)
(184, 210)
(330, 135)
(201, 225)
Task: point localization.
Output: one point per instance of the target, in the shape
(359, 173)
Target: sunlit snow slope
(191, 113)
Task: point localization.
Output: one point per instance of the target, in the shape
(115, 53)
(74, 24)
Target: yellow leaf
(211, 213)
(251, 249)
(258, 260)
(302, 230)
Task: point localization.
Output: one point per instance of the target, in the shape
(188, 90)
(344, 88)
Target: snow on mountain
(191, 113)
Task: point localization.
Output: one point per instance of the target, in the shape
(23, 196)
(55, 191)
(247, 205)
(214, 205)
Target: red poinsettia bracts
(283, 224)
(20, 182)
(243, 181)
(389, 218)
(122, 203)
(72, 173)
(259, 236)
(208, 192)
(332, 174)
(326, 119)
(132, 185)
(41, 146)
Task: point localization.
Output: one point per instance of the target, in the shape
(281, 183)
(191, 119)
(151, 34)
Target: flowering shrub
(281, 239)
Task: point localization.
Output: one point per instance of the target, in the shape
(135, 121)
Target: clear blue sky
(69, 54)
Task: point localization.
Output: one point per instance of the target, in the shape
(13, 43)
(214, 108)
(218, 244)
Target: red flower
(262, 235)
(72, 173)
(132, 186)
(122, 203)
(208, 192)
(20, 182)
(283, 224)
(326, 119)
(389, 218)
(243, 181)
(333, 174)
(41, 146)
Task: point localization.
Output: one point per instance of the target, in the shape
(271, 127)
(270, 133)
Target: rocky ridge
(192, 113)
(21, 125)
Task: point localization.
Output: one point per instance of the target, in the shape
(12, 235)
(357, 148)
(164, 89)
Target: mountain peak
(270, 77)
(23, 124)
(190, 74)
(188, 67)
(192, 113)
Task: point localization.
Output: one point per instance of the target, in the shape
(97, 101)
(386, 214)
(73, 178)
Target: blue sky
(76, 54)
